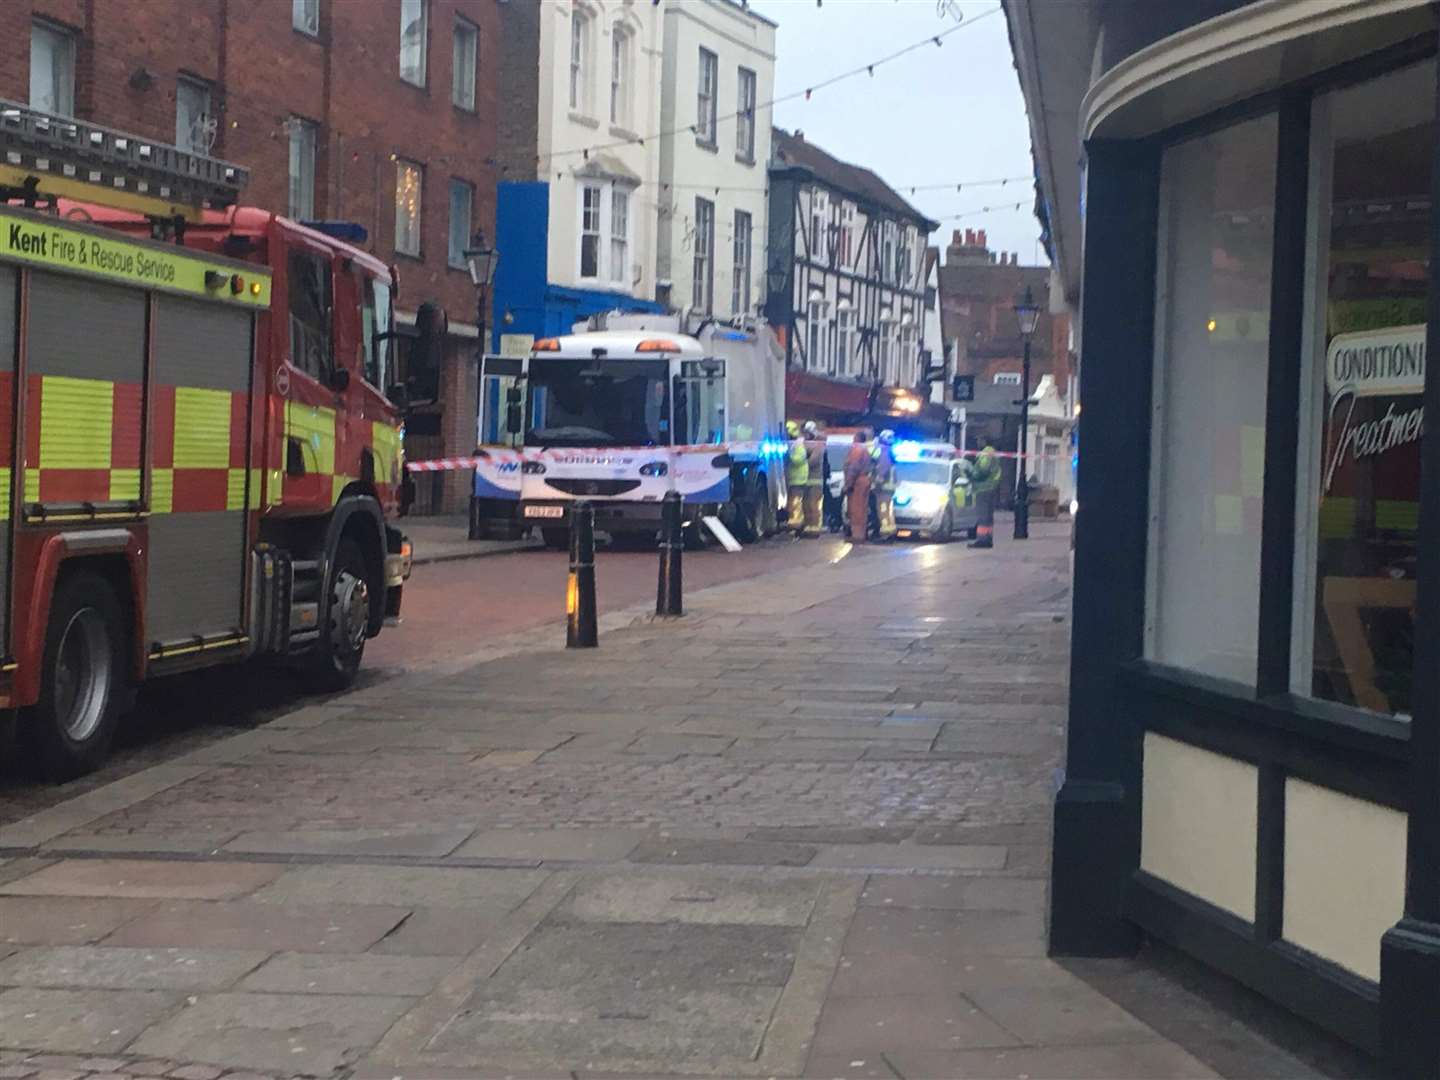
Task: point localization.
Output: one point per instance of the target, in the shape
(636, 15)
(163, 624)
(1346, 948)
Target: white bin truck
(624, 411)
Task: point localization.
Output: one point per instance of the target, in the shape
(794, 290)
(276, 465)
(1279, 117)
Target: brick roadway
(451, 610)
(802, 831)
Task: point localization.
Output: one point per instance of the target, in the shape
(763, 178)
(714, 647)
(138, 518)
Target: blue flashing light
(350, 231)
(907, 451)
(773, 448)
(903, 499)
(731, 335)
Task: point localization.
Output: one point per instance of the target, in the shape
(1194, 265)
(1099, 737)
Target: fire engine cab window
(1359, 484)
(1212, 329)
(310, 314)
(375, 319)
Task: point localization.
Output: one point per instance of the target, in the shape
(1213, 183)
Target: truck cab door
(368, 451)
(306, 380)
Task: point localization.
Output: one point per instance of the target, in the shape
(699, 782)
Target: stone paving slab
(482, 893)
(314, 1034)
(695, 897)
(366, 974)
(64, 920)
(85, 1021)
(679, 852)
(587, 845)
(273, 927)
(147, 879)
(110, 968)
(399, 842)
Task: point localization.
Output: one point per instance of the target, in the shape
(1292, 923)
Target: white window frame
(620, 66)
(413, 13)
(304, 139)
(412, 231)
(746, 83)
(702, 288)
(847, 234)
(305, 17)
(465, 63)
(849, 358)
(579, 47)
(455, 256)
(813, 332)
(596, 229)
(185, 131)
(886, 348)
(61, 42)
(819, 213)
(742, 249)
(619, 235)
(707, 96)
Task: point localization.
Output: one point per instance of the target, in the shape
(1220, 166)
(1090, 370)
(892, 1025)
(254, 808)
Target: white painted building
(718, 72)
(599, 99)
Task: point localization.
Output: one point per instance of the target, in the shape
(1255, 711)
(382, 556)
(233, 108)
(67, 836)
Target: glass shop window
(1208, 456)
(1358, 490)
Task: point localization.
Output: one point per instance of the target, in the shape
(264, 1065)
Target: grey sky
(952, 113)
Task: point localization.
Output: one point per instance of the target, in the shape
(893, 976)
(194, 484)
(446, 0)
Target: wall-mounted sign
(1374, 363)
(962, 388)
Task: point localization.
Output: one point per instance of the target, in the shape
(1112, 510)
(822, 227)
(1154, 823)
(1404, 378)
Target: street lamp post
(481, 260)
(1027, 313)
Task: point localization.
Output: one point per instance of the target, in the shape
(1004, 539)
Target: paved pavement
(443, 538)
(802, 831)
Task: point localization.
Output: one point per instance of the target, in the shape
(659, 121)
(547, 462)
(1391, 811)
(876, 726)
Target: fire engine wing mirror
(399, 396)
(339, 379)
(514, 420)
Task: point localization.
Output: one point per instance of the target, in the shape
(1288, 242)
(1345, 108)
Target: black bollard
(669, 592)
(581, 631)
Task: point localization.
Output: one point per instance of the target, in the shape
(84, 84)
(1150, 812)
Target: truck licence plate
(545, 511)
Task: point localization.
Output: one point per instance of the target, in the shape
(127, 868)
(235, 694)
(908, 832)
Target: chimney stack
(980, 238)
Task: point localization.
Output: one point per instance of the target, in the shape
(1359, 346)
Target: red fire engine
(199, 463)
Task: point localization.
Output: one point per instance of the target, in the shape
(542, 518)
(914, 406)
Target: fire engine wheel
(67, 732)
(337, 656)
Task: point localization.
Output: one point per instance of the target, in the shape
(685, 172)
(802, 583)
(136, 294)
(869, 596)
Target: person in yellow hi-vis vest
(797, 477)
(985, 482)
(884, 456)
(815, 482)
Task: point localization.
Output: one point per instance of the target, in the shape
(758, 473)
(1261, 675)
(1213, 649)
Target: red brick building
(978, 288)
(379, 112)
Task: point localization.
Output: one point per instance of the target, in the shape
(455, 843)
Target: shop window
(1208, 422)
(1358, 489)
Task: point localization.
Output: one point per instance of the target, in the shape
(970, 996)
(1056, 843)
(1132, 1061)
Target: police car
(933, 495)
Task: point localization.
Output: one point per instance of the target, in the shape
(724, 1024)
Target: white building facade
(599, 99)
(718, 75)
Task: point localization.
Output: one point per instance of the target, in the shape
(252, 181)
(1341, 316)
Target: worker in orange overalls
(858, 466)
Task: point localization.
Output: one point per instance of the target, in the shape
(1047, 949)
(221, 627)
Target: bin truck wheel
(67, 732)
(336, 660)
(747, 512)
(556, 539)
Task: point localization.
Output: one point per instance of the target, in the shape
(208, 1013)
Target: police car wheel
(67, 732)
(946, 532)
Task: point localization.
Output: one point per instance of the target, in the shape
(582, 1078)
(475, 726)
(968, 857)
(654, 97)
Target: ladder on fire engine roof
(45, 157)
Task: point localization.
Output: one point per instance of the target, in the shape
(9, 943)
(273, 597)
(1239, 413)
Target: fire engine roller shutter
(84, 371)
(200, 476)
(8, 299)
